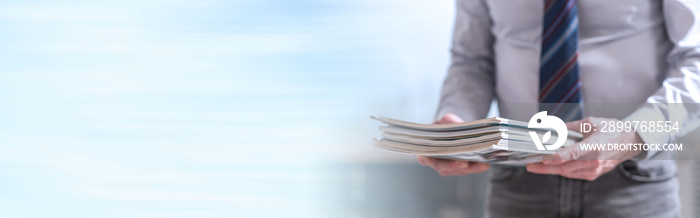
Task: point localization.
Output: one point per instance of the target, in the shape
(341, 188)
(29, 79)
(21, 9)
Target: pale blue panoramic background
(206, 108)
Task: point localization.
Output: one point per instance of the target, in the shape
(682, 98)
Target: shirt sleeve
(679, 96)
(468, 88)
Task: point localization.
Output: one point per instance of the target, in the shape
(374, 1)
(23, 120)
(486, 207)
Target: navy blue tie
(560, 86)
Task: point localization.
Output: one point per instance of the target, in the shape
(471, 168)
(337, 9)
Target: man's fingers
(443, 164)
(576, 166)
(476, 167)
(574, 125)
(579, 169)
(473, 168)
(572, 152)
(587, 171)
(423, 160)
(448, 165)
(426, 160)
(580, 165)
(479, 167)
(544, 169)
(449, 118)
(560, 169)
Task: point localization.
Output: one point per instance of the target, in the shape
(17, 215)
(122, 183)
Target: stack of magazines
(493, 140)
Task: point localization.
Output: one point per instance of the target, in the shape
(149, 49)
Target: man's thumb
(449, 118)
(565, 154)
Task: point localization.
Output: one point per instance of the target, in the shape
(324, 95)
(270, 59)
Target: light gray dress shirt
(639, 59)
(631, 52)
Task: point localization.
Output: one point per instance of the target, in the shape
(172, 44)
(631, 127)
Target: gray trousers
(634, 189)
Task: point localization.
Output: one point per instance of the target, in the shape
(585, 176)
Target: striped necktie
(559, 74)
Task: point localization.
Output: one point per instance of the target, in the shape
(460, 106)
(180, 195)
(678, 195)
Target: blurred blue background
(206, 108)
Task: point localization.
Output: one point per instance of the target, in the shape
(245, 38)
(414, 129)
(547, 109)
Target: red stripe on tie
(550, 84)
(560, 104)
(551, 28)
(576, 87)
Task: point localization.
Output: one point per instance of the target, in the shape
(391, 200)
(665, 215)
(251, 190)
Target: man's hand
(452, 167)
(574, 162)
